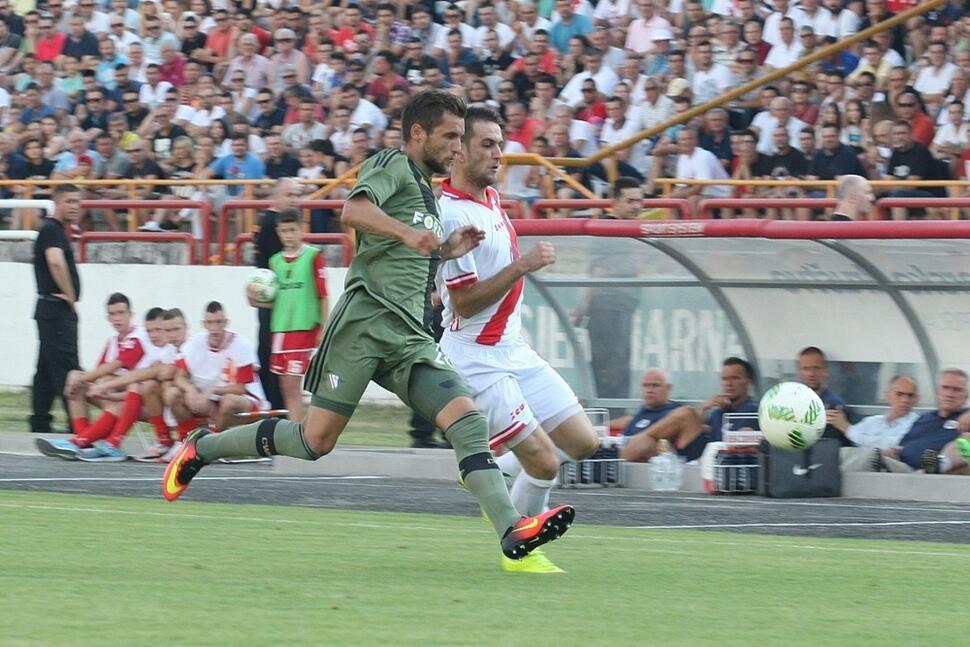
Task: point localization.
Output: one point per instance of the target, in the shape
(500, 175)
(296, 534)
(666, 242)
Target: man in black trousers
(285, 195)
(58, 290)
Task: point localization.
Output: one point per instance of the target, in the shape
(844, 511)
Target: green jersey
(390, 271)
(297, 304)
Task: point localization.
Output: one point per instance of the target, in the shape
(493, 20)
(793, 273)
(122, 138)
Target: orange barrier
(205, 212)
(137, 236)
(344, 240)
(650, 203)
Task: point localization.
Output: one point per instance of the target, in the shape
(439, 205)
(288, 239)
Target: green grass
(86, 570)
(382, 426)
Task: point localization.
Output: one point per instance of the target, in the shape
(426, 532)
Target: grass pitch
(89, 570)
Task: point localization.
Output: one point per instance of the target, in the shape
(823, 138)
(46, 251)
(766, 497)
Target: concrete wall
(188, 287)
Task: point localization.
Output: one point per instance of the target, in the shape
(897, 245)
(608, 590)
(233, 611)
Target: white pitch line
(758, 541)
(133, 479)
(807, 524)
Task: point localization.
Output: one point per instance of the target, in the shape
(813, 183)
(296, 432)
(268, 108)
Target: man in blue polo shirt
(238, 165)
(813, 372)
(570, 24)
(687, 428)
(931, 441)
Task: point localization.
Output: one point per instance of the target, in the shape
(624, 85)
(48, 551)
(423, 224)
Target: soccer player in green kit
(380, 330)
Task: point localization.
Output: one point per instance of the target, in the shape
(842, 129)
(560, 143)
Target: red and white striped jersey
(500, 322)
(235, 362)
(129, 348)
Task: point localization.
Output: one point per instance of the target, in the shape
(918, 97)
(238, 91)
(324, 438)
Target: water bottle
(666, 469)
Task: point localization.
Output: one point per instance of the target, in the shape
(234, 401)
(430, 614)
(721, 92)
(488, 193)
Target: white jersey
(154, 354)
(129, 348)
(499, 323)
(235, 362)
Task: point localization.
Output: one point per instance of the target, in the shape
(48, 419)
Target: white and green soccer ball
(791, 416)
(264, 283)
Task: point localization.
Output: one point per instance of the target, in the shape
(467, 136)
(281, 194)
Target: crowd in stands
(254, 89)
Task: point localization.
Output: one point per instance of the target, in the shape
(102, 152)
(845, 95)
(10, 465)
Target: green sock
(469, 438)
(269, 437)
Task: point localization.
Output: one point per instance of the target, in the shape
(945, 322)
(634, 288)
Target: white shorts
(515, 388)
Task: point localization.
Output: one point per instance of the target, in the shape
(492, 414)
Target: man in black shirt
(267, 242)
(58, 289)
(910, 161)
(270, 116)
(835, 158)
(279, 163)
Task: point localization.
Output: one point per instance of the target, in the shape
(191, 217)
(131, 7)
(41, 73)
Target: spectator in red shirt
(520, 128)
(752, 36)
(350, 24)
(909, 108)
(590, 108)
(50, 43)
(245, 25)
(219, 40)
(172, 67)
(385, 79)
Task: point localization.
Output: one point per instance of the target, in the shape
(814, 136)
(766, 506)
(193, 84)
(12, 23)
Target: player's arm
(376, 184)
(244, 375)
(469, 300)
(365, 216)
(59, 272)
(253, 297)
(119, 382)
(101, 371)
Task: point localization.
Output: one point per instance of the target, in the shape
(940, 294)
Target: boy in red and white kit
(122, 352)
(216, 376)
(530, 408)
(299, 308)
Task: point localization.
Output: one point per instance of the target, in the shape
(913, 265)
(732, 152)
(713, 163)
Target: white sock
(529, 494)
(509, 464)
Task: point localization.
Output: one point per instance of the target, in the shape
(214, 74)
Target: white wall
(166, 286)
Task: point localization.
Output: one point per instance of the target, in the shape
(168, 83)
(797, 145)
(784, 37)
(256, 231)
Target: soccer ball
(791, 416)
(264, 281)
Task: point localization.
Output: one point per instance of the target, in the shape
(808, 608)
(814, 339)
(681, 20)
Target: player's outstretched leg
(269, 437)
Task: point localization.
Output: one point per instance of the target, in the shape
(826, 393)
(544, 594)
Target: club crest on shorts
(334, 381)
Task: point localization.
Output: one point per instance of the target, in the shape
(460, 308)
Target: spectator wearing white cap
(658, 60)
(287, 58)
(642, 32)
(256, 67)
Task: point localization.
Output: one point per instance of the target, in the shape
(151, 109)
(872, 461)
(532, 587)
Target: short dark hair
(624, 182)
(743, 363)
(60, 189)
(118, 297)
(813, 350)
(427, 108)
(476, 114)
(173, 313)
(154, 314)
(289, 216)
(213, 307)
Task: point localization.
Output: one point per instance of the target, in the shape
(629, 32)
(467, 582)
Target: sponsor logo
(334, 381)
(687, 228)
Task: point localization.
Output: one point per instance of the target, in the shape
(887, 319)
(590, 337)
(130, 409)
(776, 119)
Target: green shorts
(366, 341)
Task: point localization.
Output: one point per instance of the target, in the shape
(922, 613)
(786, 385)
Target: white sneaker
(171, 453)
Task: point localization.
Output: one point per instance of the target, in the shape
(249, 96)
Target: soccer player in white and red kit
(531, 409)
(122, 352)
(216, 375)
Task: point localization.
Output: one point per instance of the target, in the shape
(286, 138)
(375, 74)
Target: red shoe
(531, 532)
(183, 467)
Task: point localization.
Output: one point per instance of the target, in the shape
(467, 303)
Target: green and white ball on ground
(264, 282)
(791, 416)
